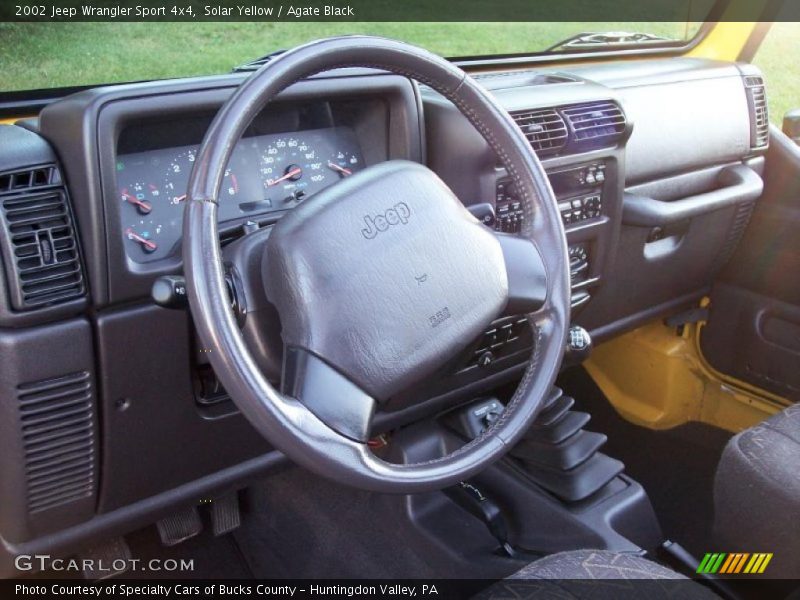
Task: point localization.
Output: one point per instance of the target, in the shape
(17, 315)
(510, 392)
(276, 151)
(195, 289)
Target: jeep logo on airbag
(396, 215)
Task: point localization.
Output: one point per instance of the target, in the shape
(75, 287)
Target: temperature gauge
(344, 163)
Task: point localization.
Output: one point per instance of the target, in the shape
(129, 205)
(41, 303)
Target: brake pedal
(106, 560)
(180, 526)
(225, 514)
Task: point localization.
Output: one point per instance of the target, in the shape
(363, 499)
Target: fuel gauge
(142, 239)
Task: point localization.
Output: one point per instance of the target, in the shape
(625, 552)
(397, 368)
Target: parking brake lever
(471, 499)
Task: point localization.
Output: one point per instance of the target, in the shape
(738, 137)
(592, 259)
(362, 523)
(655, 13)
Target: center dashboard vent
(759, 115)
(572, 128)
(545, 129)
(40, 245)
(595, 123)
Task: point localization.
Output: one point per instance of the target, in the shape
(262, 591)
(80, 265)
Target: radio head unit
(579, 191)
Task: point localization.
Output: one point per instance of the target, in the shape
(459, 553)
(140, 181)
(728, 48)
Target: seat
(757, 494)
(596, 574)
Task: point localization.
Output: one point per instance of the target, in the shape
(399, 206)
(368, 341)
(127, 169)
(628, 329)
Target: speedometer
(291, 169)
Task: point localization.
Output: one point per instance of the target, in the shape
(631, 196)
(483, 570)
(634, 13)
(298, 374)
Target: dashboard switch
(486, 359)
(170, 292)
(250, 227)
(484, 212)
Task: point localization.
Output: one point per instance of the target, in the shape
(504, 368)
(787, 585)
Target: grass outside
(41, 55)
(38, 55)
(778, 59)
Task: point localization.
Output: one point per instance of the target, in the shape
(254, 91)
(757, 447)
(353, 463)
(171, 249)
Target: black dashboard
(118, 160)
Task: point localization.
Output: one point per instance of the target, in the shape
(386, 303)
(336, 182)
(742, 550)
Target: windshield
(49, 55)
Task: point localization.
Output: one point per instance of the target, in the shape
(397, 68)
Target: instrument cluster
(266, 173)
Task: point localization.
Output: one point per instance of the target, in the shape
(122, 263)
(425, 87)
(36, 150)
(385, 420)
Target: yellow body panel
(658, 379)
(724, 42)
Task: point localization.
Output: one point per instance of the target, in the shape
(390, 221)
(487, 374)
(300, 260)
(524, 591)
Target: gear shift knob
(579, 345)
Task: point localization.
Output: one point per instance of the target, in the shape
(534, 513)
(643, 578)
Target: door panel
(753, 332)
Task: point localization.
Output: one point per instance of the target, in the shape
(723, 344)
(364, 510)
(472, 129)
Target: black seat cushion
(757, 494)
(596, 574)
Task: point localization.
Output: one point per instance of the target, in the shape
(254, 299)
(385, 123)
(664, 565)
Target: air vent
(596, 124)
(57, 419)
(545, 129)
(28, 179)
(759, 115)
(41, 249)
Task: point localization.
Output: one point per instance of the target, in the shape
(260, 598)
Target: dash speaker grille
(57, 419)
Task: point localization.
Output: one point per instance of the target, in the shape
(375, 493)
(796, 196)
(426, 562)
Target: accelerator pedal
(225, 514)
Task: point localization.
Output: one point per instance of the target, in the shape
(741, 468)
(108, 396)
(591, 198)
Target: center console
(583, 197)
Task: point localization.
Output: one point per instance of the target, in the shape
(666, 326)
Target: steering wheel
(378, 281)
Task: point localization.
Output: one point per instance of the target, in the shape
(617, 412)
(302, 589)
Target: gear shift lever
(579, 346)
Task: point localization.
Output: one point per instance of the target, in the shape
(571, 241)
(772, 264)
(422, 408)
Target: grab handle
(739, 184)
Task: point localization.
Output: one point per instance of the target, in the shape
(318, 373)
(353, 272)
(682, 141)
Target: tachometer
(177, 178)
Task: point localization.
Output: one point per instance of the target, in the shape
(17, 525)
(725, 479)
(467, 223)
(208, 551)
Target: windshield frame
(645, 49)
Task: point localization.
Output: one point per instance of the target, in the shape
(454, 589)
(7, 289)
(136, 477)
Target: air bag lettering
(397, 215)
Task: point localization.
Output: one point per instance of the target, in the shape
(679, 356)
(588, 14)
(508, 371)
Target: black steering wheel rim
(283, 420)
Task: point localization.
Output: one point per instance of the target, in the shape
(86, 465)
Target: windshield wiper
(255, 64)
(608, 39)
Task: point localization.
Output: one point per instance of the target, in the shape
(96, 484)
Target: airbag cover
(384, 276)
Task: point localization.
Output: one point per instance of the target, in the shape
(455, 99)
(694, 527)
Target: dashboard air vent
(40, 245)
(595, 124)
(57, 418)
(27, 179)
(545, 129)
(759, 115)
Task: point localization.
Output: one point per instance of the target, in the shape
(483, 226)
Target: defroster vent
(545, 129)
(57, 419)
(596, 123)
(759, 115)
(40, 246)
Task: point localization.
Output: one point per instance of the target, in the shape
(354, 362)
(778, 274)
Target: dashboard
(266, 173)
(117, 160)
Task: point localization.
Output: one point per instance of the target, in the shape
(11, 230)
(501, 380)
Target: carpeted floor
(676, 466)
